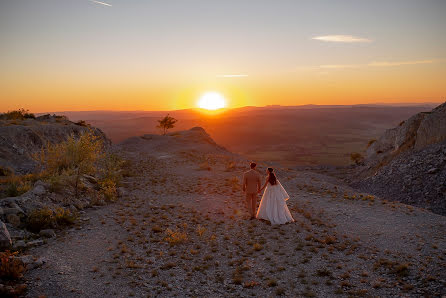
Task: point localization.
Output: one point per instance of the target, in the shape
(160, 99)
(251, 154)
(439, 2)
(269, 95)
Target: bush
(357, 158)
(17, 185)
(175, 237)
(74, 157)
(46, 218)
(5, 171)
(371, 142)
(82, 123)
(108, 189)
(19, 114)
(11, 267)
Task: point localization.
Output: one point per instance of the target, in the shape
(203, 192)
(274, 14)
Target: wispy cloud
(371, 64)
(339, 66)
(99, 2)
(232, 76)
(399, 63)
(342, 38)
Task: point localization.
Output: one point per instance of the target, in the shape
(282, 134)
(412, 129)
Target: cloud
(232, 76)
(99, 2)
(342, 38)
(339, 66)
(399, 63)
(374, 64)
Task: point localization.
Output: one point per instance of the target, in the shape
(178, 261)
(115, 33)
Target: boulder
(48, 233)
(21, 244)
(5, 238)
(13, 219)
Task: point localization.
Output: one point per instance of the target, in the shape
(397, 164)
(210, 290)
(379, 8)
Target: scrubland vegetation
(19, 114)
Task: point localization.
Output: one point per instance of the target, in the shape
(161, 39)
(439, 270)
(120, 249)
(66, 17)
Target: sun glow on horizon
(211, 101)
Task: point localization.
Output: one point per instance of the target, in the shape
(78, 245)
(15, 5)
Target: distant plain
(287, 135)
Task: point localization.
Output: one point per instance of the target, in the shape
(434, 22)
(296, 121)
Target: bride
(273, 205)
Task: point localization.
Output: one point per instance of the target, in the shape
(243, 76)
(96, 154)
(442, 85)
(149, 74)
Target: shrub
(74, 157)
(5, 171)
(81, 123)
(357, 158)
(46, 218)
(230, 166)
(108, 189)
(17, 185)
(175, 237)
(234, 183)
(19, 114)
(11, 267)
(200, 230)
(371, 142)
(110, 166)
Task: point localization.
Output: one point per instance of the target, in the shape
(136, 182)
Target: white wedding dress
(273, 205)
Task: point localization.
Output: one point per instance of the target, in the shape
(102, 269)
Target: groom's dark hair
(253, 165)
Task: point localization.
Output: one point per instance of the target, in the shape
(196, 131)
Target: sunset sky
(159, 55)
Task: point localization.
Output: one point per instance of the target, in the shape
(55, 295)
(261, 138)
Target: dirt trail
(182, 230)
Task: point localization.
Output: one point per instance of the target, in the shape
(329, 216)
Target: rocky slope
(408, 163)
(19, 139)
(182, 230)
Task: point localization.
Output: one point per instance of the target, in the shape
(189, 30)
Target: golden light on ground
(211, 101)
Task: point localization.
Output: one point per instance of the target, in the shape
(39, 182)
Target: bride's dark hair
(272, 177)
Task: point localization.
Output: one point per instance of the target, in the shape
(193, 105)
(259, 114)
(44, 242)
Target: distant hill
(290, 135)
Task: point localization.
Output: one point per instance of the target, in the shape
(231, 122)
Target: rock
(38, 190)
(407, 163)
(13, 219)
(33, 243)
(5, 238)
(48, 233)
(19, 141)
(90, 179)
(27, 259)
(30, 262)
(20, 244)
(432, 171)
(14, 210)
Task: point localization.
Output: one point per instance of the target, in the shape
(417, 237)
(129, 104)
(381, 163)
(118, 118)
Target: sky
(61, 55)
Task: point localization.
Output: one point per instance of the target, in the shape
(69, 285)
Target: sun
(212, 101)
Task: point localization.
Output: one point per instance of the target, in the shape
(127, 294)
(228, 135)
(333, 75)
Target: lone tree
(166, 123)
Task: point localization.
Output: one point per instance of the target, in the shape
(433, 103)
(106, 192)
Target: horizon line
(252, 106)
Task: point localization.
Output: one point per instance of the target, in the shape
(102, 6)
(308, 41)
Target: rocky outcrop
(415, 178)
(408, 163)
(414, 134)
(195, 139)
(19, 139)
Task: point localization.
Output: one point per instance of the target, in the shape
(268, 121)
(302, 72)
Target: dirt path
(181, 230)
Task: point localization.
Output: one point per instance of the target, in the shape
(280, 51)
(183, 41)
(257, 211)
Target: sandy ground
(182, 230)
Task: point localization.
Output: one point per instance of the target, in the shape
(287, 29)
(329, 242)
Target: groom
(251, 186)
